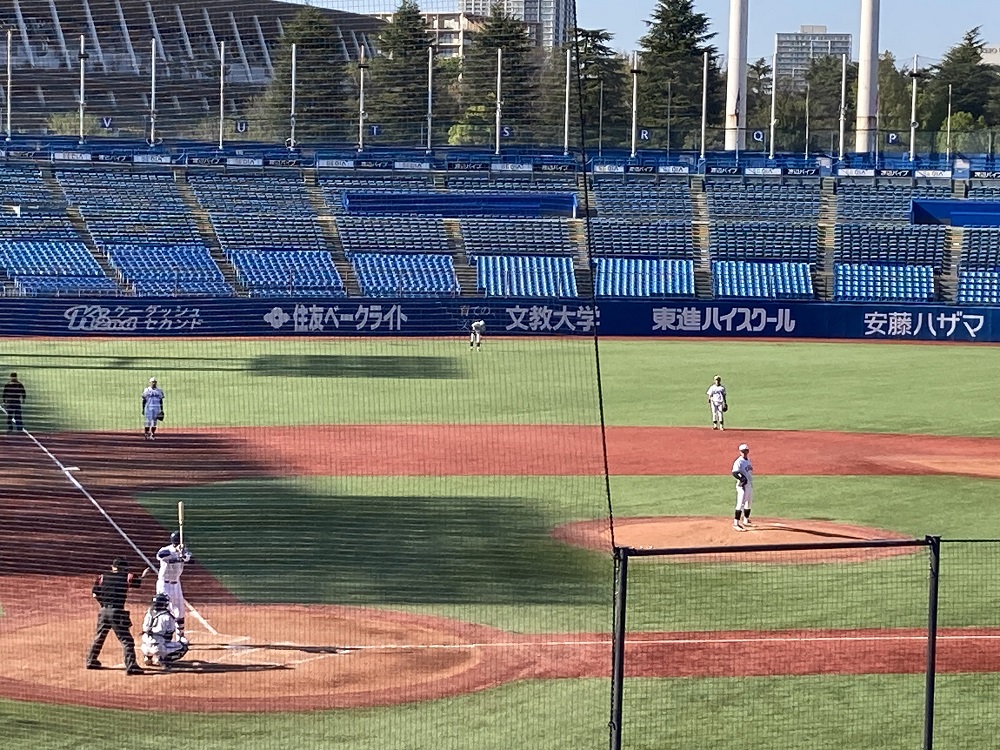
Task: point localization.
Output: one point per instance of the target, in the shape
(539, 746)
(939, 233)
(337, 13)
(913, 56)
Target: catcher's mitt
(159, 417)
(725, 407)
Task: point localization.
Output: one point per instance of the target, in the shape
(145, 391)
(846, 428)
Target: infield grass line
(68, 473)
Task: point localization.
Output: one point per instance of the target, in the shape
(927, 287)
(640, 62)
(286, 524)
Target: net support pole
(774, 101)
(430, 96)
(618, 649)
(83, 85)
(10, 79)
(152, 92)
(843, 106)
(947, 137)
(914, 74)
(362, 65)
(222, 94)
(704, 105)
(566, 108)
(635, 100)
(499, 111)
(291, 112)
(934, 545)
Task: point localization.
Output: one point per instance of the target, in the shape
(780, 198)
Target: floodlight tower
(866, 129)
(736, 89)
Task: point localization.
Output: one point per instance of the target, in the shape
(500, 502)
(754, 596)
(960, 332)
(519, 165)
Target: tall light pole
(807, 120)
(291, 109)
(10, 78)
(566, 113)
(866, 127)
(152, 92)
(704, 104)
(222, 94)
(600, 121)
(430, 95)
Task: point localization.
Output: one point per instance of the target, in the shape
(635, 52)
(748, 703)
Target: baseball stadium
(440, 376)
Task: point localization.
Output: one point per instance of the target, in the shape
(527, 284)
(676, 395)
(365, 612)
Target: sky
(908, 27)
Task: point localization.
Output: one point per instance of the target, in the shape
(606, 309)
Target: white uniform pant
(716, 412)
(158, 647)
(743, 497)
(149, 415)
(475, 337)
(173, 590)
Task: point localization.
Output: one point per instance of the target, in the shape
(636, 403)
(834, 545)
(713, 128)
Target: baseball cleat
(747, 522)
(135, 669)
(93, 664)
(737, 527)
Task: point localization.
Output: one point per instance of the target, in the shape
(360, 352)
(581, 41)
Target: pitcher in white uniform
(743, 472)
(172, 559)
(476, 334)
(152, 408)
(158, 627)
(717, 401)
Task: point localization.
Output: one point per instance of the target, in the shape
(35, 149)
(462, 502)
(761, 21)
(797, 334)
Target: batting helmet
(160, 602)
(175, 537)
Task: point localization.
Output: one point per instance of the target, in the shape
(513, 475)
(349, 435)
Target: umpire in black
(111, 590)
(14, 397)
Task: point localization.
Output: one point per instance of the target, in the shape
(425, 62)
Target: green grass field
(478, 548)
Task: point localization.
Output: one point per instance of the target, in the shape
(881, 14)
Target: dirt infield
(572, 450)
(312, 657)
(679, 532)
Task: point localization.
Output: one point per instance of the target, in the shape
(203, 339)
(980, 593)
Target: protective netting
(769, 648)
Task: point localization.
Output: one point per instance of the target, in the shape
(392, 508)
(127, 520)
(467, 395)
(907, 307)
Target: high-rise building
(991, 54)
(796, 50)
(551, 21)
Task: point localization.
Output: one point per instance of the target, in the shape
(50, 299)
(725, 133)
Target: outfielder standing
(168, 581)
(476, 334)
(14, 397)
(717, 400)
(152, 409)
(158, 626)
(743, 472)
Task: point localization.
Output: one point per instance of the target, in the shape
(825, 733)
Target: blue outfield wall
(293, 317)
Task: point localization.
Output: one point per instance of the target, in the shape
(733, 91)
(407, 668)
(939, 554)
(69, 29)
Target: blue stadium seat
(921, 245)
(864, 282)
(882, 202)
(664, 238)
(643, 198)
(289, 272)
(525, 275)
(979, 286)
(407, 234)
(516, 236)
(740, 279)
(405, 275)
(643, 277)
(763, 240)
(762, 199)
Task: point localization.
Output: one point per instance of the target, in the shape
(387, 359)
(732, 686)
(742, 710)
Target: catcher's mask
(160, 602)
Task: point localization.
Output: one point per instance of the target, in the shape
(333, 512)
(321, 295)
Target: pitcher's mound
(683, 532)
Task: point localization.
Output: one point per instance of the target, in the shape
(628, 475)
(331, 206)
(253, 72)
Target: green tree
(397, 95)
(605, 89)
(670, 85)
(323, 88)
(894, 95)
(519, 75)
(975, 86)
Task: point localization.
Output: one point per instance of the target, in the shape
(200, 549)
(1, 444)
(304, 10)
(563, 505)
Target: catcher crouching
(158, 628)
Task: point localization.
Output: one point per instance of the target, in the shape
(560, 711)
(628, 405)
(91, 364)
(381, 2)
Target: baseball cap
(744, 447)
(152, 380)
(119, 562)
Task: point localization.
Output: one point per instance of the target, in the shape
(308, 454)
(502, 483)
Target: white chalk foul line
(68, 473)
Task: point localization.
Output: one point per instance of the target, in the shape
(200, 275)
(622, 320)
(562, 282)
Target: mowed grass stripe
(88, 384)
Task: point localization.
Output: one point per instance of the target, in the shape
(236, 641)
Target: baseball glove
(725, 407)
(159, 417)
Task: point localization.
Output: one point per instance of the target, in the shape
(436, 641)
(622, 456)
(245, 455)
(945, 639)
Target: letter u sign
(241, 126)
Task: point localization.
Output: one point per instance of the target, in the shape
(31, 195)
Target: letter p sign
(892, 138)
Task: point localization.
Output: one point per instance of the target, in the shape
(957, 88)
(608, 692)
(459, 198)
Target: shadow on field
(271, 542)
(350, 366)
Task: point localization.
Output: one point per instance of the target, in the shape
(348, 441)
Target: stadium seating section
(134, 231)
(643, 277)
(763, 240)
(914, 245)
(864, 282)
(405, 275)
(760, 199)
(667, 239)
(367, 234)
(525, 275)
(882, 202)
(516, 236)
(741, 279)
(642, 198)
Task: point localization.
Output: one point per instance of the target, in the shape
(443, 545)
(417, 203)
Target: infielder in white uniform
(717, 400)
(152, 409)
(158, 626)
(476, 334)
(172, 559)
(743, 471)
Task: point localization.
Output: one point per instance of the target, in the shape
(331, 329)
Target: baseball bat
(180, 520)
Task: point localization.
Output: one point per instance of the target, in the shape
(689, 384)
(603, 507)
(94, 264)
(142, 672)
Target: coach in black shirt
(111, 590)
(14, 396)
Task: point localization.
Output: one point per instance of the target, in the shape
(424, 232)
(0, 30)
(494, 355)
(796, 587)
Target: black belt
(166, 581)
